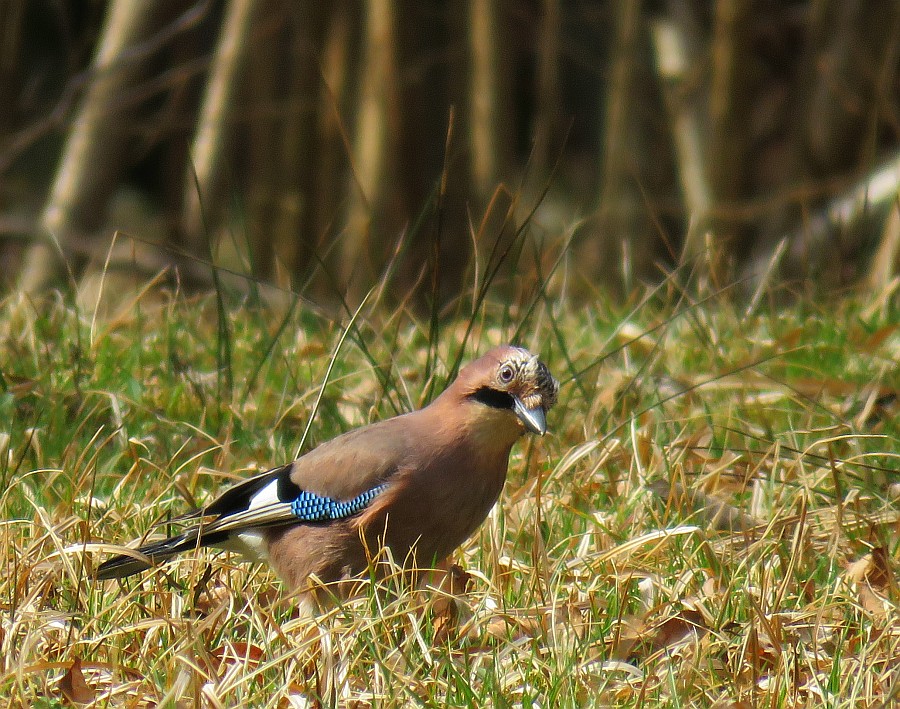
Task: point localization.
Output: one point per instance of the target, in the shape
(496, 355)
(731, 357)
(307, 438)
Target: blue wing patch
(309, 507)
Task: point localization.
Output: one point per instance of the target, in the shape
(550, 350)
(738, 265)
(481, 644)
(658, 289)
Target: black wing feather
(237, 498)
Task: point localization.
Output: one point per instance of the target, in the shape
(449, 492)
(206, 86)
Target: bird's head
(509, 383)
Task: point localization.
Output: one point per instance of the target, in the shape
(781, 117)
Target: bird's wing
(336, 480)
(306, 507)
(361, 459)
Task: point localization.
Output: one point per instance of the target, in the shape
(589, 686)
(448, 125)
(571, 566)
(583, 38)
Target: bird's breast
(435, 508)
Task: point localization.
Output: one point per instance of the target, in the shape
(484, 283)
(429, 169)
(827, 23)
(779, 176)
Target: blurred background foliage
(329, 146)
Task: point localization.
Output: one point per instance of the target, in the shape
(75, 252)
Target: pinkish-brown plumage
(432, 476)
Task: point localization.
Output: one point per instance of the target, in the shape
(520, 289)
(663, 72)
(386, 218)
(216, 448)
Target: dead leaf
(446, 608)
(644, 449)
(625, 636)
(576, 617)
(880, 577)
(446, 621)
(238, 652)
(808, 590)
(507, 627)
(760, 653)
(457, 581)
(314, 348)
(675, 629)
(210, 598)
(873, 578)
(297, 698)
(73, 685)
(20, 386)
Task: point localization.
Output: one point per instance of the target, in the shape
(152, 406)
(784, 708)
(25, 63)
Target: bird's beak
(534, 419)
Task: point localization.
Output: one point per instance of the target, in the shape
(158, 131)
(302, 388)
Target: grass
(713, 521)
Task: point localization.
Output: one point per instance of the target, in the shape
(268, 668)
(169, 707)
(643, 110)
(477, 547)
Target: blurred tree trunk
(730, 95)
(11, 31)
(92, 158)
(619, 203)
(209, 177)
(676, 44)
(298, 146)
(490, 140)
(363, 250)
(847, 42)
(634, 162)
(489, 107)
(433, 166)
(266, 104)
(339, 67)
(548, 101)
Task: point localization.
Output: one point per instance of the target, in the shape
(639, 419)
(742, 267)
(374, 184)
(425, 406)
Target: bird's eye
(506, 374)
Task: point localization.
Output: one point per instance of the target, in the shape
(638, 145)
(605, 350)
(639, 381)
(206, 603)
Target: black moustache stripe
(493, 398)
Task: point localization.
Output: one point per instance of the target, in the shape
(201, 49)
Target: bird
(418, 484)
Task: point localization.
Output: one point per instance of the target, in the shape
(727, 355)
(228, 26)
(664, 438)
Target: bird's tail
(126, 565)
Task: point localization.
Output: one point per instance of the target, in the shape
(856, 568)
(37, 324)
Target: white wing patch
(250, 543)
(266, 495)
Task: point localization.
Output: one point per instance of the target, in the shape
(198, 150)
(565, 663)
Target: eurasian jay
(419, 484)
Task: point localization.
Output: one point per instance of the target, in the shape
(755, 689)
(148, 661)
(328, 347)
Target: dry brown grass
(712, 523)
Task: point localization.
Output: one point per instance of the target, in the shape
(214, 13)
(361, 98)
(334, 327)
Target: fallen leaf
(625, 635)
(880, 576)
(239, 652)
(446, 607)
(73, 685)
(675, 629)
(760, 653)
(505, 627)
(209, 598)
(873, 578)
